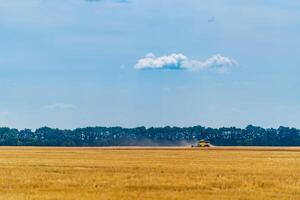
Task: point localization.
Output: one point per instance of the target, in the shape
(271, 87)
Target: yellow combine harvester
(202, 143)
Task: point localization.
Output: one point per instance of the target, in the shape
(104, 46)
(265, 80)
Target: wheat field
(95, 173)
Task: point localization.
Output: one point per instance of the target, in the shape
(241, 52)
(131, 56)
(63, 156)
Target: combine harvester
(202, 143)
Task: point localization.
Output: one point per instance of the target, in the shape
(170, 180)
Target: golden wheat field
(95, 173)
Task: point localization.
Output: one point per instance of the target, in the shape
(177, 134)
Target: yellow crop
(91, 173)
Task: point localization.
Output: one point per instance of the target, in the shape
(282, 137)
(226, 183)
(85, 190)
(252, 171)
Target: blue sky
(76, 63)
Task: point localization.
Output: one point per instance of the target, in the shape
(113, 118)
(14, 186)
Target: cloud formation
(60, 106)
(181, 62)
(4, 114)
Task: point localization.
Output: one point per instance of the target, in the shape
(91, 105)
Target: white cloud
(4, 114)
(60, 106)
(181, 62)
(150, 61)
(166, 89)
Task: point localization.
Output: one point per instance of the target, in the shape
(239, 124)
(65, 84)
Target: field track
(293, 149)
(184, 148)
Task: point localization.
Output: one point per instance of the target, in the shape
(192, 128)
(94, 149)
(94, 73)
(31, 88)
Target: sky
(78, 63)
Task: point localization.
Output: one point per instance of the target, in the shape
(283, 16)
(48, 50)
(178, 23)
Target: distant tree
(118, 136)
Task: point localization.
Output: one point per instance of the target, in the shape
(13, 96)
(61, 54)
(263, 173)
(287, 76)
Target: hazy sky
(76, 63)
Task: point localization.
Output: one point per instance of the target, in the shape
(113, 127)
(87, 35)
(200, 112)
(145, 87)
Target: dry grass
(74, 173)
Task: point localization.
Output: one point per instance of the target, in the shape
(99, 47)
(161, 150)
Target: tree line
(142, 136)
